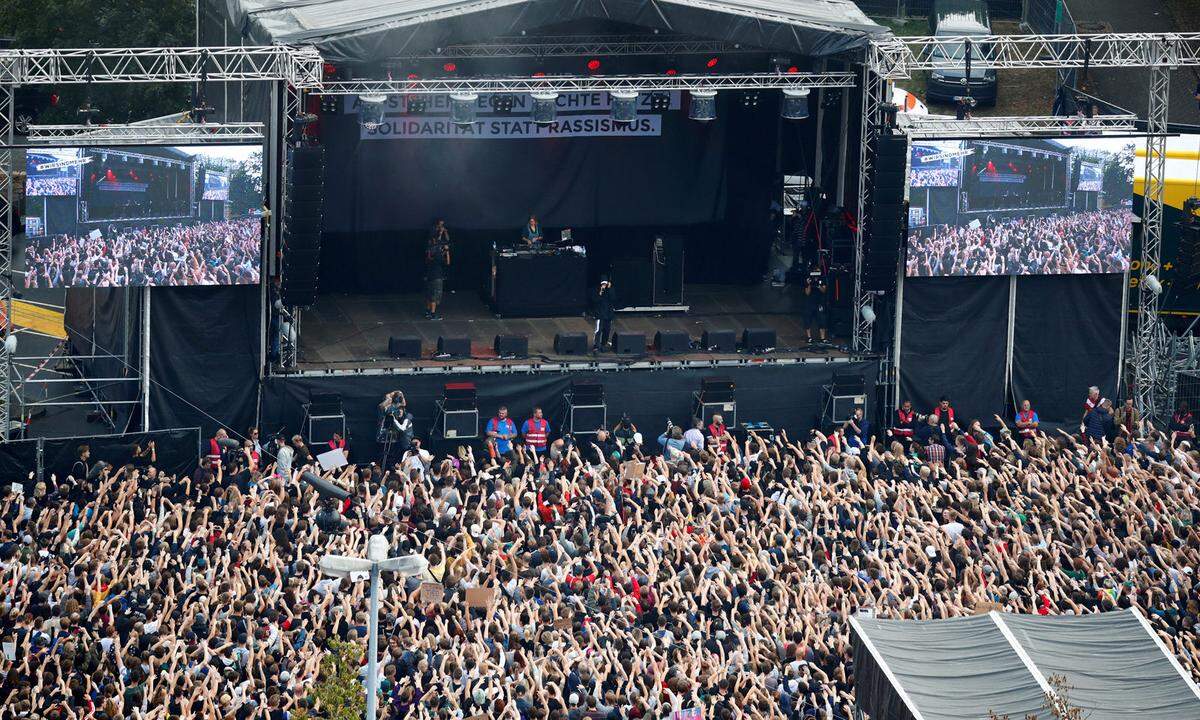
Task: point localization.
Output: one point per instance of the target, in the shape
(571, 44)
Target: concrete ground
(1128, 87)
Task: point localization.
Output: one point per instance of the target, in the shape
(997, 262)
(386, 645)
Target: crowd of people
(218, 252)
(1095, 241)
(51, 186)
(630, 576)
(933, 177)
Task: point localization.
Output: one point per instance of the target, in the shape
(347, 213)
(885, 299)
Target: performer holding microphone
(395, 426)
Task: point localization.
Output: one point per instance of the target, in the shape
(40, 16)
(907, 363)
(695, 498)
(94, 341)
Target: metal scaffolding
(898, 57)
(7, 130)
(1150, 363)
(575, 46)
(874, 94)
(595, 83)
(300, 66)
(140, 134)
(921, 127)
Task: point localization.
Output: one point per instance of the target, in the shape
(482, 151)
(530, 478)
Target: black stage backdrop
(177, 452)
(711, 182)
(95, 321)
(787, 396)
(204, 354)
(1066, 336)
(954, 338)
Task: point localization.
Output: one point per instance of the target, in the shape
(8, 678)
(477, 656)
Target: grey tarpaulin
(962, 668)
(366, 31)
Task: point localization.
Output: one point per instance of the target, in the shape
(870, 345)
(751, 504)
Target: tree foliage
(338, 693)
(1056, 704)
(101, 23)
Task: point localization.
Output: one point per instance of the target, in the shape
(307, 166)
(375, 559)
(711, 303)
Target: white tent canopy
(1116, 667)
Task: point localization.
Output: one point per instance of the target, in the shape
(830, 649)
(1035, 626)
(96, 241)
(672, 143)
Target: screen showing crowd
(138, 216)
(1020, 206)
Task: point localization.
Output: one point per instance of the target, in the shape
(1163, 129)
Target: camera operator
(395, 427)
(816, 305)
(329, 517)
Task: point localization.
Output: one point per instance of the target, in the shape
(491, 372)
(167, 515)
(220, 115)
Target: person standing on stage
(437, 262)
(531, 234)
(604, 308)
(816, 298)
(537, 432)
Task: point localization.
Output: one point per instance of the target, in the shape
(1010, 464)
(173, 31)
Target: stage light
(417, 104)
(868, 314)
(660, 101)
(795, 104)
(672, 72)
(593, 65)
(750, 98)
(463, 107)
(370, 110)
(792, 70)
(502, 103)
(712, 62)
(703, 106)
(624, 105)
(10, 344)
(544, 107)
(450, 67)
(1153, 285)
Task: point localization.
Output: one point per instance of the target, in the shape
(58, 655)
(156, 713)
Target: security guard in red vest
(905, 423)
(537, 432)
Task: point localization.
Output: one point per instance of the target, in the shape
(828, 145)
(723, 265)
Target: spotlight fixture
(370, 110)
(502, 103)
(624, 106)
(463, 107)
(544, 107)
(329, 104)
(795, 104)
(417, 104)
(868, 314)
(703, 106)
(450, 67)
(712, 62)
(750, 98)
(660, 101)
(593, 65)
(1153, 285)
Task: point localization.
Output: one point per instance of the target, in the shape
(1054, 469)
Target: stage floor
(352, 331)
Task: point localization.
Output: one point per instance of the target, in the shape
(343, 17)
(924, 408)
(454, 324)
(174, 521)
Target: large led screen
(1020, 206)
(143, 216)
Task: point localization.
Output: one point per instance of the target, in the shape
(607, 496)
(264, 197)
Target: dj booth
(539, 283)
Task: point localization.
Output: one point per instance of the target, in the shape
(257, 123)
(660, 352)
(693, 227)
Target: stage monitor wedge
(511, 346)
(454, 346)
(570, 344)
(406, 347)
(671, 342)
(628, 343)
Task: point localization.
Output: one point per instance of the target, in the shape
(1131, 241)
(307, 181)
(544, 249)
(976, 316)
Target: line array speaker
(886, 221)
(302, 219)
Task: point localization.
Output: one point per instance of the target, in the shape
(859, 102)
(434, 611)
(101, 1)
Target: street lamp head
(341, 566)
(377, 548)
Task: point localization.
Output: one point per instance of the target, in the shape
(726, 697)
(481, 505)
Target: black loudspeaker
(459, 396)
(407, 346)
(570, 344)
(758, 339)
(454, 346)
(671, 342)
(666, 258)
(633, 282)
(301, 225)
(627, 343)
(516, 346)
(719, 341)
(886, 222)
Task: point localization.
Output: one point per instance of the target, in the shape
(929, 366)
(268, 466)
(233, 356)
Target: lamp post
(377, 561)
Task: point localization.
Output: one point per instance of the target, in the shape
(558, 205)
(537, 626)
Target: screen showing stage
(1020, 206)
(143, 216)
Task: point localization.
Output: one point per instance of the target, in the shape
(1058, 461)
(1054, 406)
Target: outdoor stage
(348, 332)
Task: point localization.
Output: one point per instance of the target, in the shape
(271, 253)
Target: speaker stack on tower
(887, 217)
(302, 212)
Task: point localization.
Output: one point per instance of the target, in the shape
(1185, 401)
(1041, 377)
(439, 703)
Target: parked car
(965, 19)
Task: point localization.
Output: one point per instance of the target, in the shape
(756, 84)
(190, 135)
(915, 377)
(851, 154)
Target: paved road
(1128, 88)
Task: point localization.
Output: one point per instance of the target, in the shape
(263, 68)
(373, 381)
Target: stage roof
(960, 668)
(367, 31)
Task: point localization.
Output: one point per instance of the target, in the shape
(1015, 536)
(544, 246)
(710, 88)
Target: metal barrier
(177, 451)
